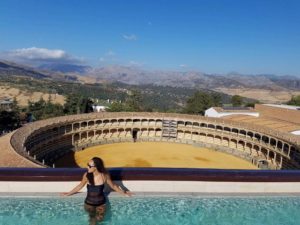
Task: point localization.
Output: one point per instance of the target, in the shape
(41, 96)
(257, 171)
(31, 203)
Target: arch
(90, 134)
(180, 123)
(158, 122)
(195, 135)
(76, 137)
(151, 122)
(271, 156)
(285, 148)
(98, 132)
(196, 124)
(257, 136)
(233, 143)
(243, 132)
(68, 128)
(188, 124)
(83, 135)
(248, 147)
(265, 139)
(211, 126)
(98, 122)
(220, 128)
(91, 123)
(180, 134)
(84, 124)
(114, 121)
(273, 142)
(264, 153)
(210, 138)
(235, 130)
(241, 145)
(218, 140)
(227, 129)
(105, 122)
(76, 126)
(250, 134)
(203, 125)
(114, 133)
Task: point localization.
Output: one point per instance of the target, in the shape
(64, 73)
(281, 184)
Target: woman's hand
(64, 194)
(128, 193)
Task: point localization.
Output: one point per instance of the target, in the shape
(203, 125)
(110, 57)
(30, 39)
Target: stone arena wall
(43, 142)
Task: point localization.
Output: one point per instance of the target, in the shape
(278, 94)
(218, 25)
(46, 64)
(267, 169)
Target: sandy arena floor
(155, 154)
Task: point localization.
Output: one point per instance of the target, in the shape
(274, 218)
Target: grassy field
(155, 154)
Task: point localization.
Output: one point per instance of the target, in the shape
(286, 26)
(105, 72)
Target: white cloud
(38, 53)
(110, 53)
(183, 65)
(135, 63)
(41, 55)
(130, 37)
(102, 59)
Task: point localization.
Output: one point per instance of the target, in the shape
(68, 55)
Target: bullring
(43, 142)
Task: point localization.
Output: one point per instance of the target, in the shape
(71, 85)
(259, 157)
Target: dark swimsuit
(95, 195)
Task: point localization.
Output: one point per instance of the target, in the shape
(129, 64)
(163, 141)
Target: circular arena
(46, 142)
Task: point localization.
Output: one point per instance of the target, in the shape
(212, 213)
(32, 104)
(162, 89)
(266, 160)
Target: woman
(95, 179)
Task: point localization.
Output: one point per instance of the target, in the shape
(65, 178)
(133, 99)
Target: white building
(228, 111)
(99, 108)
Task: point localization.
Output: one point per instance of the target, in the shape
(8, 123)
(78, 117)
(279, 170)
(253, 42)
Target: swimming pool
(155, 210)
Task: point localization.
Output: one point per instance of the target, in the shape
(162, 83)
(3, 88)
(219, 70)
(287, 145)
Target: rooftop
(292, 107)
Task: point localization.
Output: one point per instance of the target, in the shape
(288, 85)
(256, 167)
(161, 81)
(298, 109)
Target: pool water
(180, 210)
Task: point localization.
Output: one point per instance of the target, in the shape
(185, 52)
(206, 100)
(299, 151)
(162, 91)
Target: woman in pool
(95, 179)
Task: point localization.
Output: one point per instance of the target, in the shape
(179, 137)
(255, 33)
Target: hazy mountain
(13, 69)
(65, 68)
(138, 76)
(195, 79)
(9, 68)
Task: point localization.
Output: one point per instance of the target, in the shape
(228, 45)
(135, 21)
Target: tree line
(134, 102)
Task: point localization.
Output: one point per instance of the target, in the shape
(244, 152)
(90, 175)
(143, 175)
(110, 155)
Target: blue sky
(211, 36)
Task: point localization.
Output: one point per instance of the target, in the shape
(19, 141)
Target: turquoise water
(155, 211)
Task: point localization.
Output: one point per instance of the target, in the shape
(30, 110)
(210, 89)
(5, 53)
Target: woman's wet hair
(99, 164)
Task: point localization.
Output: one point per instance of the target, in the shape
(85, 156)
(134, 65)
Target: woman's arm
(77, 188)
(116, 187)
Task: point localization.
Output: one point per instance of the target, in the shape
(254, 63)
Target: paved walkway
(8, 157)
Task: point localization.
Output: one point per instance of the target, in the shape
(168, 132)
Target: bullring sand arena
(155, 154)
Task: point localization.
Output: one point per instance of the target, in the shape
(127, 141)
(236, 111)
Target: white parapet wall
(159, 186)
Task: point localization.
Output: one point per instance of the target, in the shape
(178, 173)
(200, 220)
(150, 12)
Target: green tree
(134, 102)
(198, 103)
(9, 120)
(295, 100)
(236, 100)
(116, 107)
(37, 108)
(72, 104)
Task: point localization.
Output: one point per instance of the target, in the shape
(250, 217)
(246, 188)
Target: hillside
(265, 88)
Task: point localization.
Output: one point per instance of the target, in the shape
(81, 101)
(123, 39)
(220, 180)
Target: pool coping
(157, 174)
(159, 180)
(147, 194)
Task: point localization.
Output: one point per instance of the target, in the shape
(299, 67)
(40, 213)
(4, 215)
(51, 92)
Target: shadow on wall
(68, 161)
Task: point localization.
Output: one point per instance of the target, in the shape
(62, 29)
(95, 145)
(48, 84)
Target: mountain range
(254, 86)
